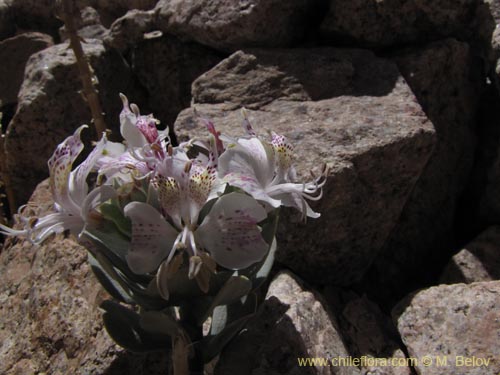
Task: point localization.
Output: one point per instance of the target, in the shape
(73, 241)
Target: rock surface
(370, 333)
(358, 135)
(50, 321)
(453, 323)
(7, 24)
(176, 65)
(128, 30)
(88, 25)
(382, 23)
(229, 25)
(14, 53)
(445, 78)
(479, 260)
(51, 107)
(292, 323)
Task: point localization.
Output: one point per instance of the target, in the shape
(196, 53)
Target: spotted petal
(60, 165)
(152, 237)
(230, 231)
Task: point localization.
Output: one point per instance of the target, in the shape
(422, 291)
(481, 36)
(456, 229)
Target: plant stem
(9, 192)
(86, 74)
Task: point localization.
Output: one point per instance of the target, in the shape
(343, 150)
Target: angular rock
(39, 15)
(130, 29)
(51, 107)
(370, 333)
(88, 25)
(292, 323)
(357, 134)
(446, 79)
(229, 25)
(452, 324)
(478, 261)
(111, 10)
(7, 23)
(382, 23)
(14, 53)
(50, 321)
(166, 67)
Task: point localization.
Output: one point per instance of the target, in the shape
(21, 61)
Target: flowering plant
(183, 234)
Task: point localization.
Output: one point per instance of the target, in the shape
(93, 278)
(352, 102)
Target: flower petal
(152, 237)
(230, 231)
(128, 129)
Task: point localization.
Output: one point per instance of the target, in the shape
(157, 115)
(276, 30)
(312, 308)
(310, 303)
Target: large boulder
(479, 260)
(14, 53)
(383, 23)
(166, 68)
(51, 323)
(446, 79)
(229, 25)
(452, 329)
(51, 107)
(356, 127)
(292, 325)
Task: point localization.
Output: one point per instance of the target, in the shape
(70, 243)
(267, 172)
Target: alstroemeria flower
(264, 170)
(184, 186)
(72, 201)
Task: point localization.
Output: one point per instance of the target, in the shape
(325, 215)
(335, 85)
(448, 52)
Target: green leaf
(232, 291)
(111, 285)
(212, 345)
(123, 325)
(160, 322)
(114, 214)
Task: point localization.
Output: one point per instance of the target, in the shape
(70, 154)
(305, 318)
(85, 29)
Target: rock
(292, 323)
(14, 53)
(358, 134)
(371, 333)
(51, 107)
(36, 15)
(478, 261)
(114, 9)
(7, 23)
(88, 25)
(166, 67)
(130, 30)
(383, 23)
(50, 321)
(229, 25)
(445, 77)
(452, 324)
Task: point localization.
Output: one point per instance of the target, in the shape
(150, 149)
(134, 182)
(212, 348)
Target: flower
(72, 201)
(229, 232)
(264, 170)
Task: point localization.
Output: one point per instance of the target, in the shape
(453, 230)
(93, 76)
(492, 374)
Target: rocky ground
(400, 97)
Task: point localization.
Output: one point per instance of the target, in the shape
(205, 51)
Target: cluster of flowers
(206, 199)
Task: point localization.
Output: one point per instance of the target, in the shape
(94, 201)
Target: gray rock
(50, 321)
(358, 135)
(7, 24)
(370, 333)
(110, 10)
(292, 323)
(51, 107)
(479, 260)
(452, 324)
(88, 25)
(130, 29)
(382, 23)
(37, 15)
(229, 25)
(445, 78)
(14, 53)
(166, 67)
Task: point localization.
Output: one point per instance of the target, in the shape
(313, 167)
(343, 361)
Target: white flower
(72, 201)
(264, 170)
